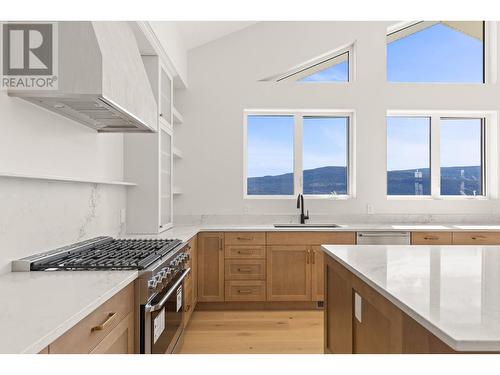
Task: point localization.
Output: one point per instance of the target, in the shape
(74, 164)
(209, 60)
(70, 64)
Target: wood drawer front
(246, 252)
(431, 238)
(245, 290)
(245, 269)
(83, 337)
(245, 238)
(476, 238)
(311, 238)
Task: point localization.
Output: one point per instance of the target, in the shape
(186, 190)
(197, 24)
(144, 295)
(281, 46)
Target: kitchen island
(412, 299)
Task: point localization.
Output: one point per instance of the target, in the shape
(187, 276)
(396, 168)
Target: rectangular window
(325, 155)
(408, 155)
(437, 51)
(436, 155)
(270, 155)
(318, 165)
(461, 156)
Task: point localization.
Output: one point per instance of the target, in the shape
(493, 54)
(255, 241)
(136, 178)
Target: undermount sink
(309, 225)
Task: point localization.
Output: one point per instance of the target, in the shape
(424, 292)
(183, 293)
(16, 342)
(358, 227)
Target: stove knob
(152, 284)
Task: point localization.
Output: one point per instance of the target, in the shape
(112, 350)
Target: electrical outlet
(369, 209)
(123, 216)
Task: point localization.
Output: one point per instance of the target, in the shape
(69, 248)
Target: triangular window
(436, 51)
(333, 67)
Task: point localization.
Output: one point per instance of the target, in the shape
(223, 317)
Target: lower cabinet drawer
(431, 238)
(245, 290)
(247, 252)
(88, 333)
(245, 269)
(476, 238)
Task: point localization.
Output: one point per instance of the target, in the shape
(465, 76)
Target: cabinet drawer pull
(244, 252)
(244, 291)
(431, 238)
(478, 237)
(244, 238)
(314, 257)
(109, 319)
(245, 269)
(308, 255)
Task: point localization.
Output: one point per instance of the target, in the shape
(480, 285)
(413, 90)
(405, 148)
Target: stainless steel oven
(162, 316)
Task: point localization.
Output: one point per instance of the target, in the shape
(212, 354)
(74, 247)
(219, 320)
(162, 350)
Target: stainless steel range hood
(102, 82)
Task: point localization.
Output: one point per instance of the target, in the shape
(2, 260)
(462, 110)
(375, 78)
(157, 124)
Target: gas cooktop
(101, 253)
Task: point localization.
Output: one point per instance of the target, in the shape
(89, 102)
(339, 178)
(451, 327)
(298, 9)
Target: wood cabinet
(245, 269)
(189, 286)
(431, 238)
(476, 238)
(288, 273)
(245, 290)
(211, 267)
(245, 252)
(120, 340)
(317, 274)
(295, 266)
(109, 328)
(338, 309)
(245, 238)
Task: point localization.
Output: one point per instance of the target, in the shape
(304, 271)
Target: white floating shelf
(65, 179)
(177, 153)
(176, 191)
(178, 119)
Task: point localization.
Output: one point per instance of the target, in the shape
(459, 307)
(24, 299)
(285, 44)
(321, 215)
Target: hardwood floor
(254, 332)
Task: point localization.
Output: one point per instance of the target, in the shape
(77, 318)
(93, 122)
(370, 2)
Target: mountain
(326, 180)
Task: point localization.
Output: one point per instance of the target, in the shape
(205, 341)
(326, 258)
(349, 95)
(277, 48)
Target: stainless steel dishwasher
(383, 238)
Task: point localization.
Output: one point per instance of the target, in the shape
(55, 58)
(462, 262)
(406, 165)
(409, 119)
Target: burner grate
(108, 254)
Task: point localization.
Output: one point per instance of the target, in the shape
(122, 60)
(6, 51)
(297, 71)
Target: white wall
(172, 43)
(40, 215)
(223, 81)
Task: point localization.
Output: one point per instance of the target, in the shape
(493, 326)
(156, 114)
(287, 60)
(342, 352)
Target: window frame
(298, 116)
(489, 163)
(290, 75)
(489, 53)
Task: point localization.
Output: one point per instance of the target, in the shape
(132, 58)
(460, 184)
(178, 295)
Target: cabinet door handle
(307, 256)
(244, 291)
(431, 238)
(109, 319)
(314, 257)
(246, 269)
(244, 238)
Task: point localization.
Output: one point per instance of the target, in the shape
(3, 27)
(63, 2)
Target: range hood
(102, 82)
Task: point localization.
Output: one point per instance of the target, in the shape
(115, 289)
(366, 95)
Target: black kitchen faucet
(300, 205)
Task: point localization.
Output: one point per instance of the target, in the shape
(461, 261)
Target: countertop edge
(455, 344)
(48, 339)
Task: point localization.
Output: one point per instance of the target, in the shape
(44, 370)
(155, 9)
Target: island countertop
(452, 291)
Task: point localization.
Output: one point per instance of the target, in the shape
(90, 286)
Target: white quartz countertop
(185, 232)
(453, 291)
(38, 307)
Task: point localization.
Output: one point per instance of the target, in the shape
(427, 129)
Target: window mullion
(435, 174)
(297, 155)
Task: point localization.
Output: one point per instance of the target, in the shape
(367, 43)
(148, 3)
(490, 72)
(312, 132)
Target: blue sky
(435, 54)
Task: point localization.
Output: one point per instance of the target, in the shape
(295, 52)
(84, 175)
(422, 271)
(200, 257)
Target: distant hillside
(326, 180)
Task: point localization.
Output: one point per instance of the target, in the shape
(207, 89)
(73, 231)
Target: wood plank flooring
(254, 332)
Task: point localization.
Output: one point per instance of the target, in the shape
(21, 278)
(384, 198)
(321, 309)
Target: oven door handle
(159, 305)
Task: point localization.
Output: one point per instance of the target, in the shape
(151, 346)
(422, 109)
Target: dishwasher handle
(383, 234)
